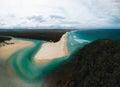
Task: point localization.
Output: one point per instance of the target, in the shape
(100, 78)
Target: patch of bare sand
(8, 50)
(51, 50)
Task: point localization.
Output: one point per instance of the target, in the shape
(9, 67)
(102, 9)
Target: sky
(59, 14)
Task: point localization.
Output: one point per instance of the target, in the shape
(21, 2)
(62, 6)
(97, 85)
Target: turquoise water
(31, 74)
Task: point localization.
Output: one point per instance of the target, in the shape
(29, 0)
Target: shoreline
(8, 50)
(39, 34)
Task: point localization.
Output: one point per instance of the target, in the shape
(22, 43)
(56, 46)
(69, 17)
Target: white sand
(51, 50)
(8, 50)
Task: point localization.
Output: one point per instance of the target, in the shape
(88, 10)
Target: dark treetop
(95, 65)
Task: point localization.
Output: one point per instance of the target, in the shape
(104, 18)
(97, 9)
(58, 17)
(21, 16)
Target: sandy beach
(7, 50)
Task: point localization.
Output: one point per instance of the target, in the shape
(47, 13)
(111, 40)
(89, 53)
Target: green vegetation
(3, 41)
(95, 65)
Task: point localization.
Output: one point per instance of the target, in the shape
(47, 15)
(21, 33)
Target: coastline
(8, 50)
(31, 73)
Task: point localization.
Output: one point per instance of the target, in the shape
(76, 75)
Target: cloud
(107, 10)
(37, 18)
(56, 17)
(58, 13)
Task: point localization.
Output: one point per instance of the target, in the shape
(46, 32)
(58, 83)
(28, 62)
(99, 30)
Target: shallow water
(20, 69)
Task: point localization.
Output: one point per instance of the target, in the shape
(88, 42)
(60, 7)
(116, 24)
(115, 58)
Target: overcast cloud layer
(60, 13)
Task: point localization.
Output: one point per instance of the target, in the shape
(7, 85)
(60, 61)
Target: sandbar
(52, 50)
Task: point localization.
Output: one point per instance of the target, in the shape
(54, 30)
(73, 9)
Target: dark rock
(95, 65)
